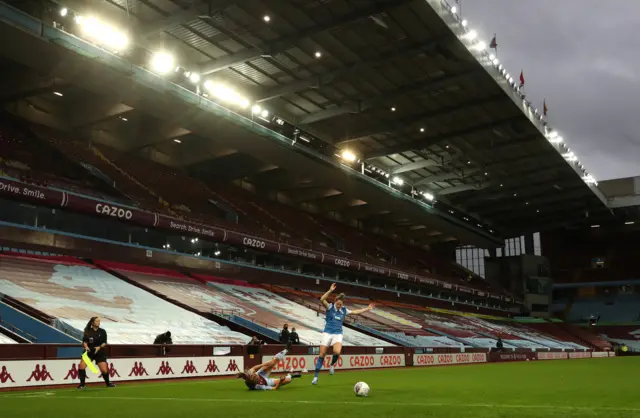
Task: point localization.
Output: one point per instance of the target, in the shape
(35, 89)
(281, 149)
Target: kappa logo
(40, 374)
(212, 367)
(73, 373)
(164, 369)
(232, 367)
(636, 333)
(113, 372)
(5, 376)
(138, 370)
(189, 368)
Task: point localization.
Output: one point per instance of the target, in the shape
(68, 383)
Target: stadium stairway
(224, 320)
(257, 329)
(40, 331)
(16, 335)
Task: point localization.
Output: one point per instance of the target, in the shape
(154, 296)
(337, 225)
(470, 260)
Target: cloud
(578, 54)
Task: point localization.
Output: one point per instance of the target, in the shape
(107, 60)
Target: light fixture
(447, 146)
(348, 156)
(216, 253)
(177, 141)
(162, 62)
(397, 180)
(481, 46)
(256, 109)
(266, 18)
(194, 78)
(526, 203)
(428, 196)
(486, 174)
(471, 35)
(102, 33)
(264, 113)
(64, 11)
(393, 109)
(454, 9)
(595, 226)
(515, 194)
(122, 118)
(57, 93)
(629, 223)
(495, 61)
(464, 22)
(491, 57)
(421, 129)
(537, 210)
(468, 162)
(318, 54)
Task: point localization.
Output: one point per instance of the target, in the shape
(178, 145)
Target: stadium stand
(42, 164)
(119, 176)
(421, 327)
(73, 291)
(628, 335)
(291, 313)
(619, 309)
(178, 288)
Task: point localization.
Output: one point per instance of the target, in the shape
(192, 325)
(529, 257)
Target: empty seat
(75, 292)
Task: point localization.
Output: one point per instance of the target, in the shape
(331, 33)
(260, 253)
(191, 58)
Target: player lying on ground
(332, 335)
(257, 377)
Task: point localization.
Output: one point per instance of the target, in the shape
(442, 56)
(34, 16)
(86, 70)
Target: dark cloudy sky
(584, 57)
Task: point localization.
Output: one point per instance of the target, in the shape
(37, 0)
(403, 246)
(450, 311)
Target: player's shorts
(329, 340)
(270, 382)
(100, 357)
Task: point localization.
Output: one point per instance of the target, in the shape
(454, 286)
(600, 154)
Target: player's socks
(295, 375)
(318, 366)
(280, 355)
(82, 374)
(334, 359)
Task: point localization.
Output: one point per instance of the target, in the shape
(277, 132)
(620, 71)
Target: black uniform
(95, 339)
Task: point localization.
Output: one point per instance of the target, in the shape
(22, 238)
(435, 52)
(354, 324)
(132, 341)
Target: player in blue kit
(332, 335)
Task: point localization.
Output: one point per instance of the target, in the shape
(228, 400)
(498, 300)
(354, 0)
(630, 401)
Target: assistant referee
(94, 341)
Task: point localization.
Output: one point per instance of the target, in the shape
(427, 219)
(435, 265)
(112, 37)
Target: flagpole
(495, 36)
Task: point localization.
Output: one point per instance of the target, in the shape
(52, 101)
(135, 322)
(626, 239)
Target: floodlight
(162, 62)
(348, 156)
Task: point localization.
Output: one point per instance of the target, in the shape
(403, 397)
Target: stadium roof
(400, 83)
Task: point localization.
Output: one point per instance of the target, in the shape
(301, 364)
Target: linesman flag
(494, 43)
(544, 107)
(522, 78)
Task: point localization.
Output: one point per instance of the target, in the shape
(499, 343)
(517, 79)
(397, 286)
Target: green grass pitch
(577, 388)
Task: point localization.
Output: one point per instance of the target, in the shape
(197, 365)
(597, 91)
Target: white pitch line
(359, 403)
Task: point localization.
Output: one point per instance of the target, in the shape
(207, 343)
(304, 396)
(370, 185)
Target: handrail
(18, 331)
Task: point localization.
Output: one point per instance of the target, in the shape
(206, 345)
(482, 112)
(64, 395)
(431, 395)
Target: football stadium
(353, 204)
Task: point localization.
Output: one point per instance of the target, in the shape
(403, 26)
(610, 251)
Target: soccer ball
(361, 389)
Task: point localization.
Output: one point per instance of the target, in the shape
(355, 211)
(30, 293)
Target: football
(361, 389)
